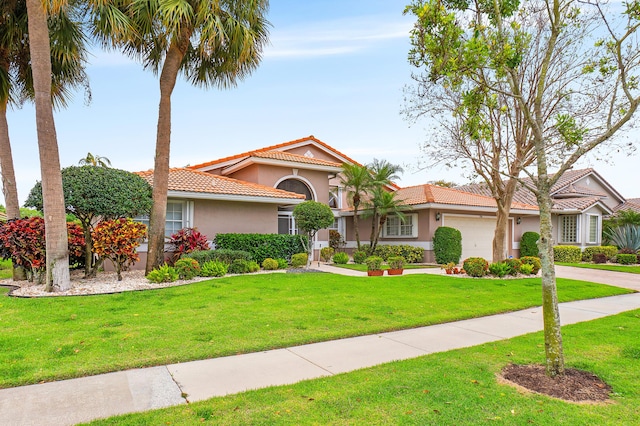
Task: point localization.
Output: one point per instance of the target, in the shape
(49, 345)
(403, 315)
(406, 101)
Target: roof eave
(279, 163)
(234, 197)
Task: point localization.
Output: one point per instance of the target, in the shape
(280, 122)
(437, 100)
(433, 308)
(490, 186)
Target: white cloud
(335, 37)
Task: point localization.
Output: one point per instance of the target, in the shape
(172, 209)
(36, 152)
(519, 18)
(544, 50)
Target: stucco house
(256, 191)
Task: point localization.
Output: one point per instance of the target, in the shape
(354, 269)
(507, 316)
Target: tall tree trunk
(9, 188)
(372, 237)
(356, 229)
(168, 77)
(551, 314)
(53, 197)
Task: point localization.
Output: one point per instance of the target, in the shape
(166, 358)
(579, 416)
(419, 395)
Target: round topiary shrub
(270, 264)
(299, 260)
(447, 245)
(529, 244)
(187, 268)
(359, 256)
(340, 258)
(533, 261)
(475, 266)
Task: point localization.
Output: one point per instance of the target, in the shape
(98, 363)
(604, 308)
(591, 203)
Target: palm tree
(213, 43)
(382, 174)
(382, 204)
(94, 160)
(16, 84)
(357, 181)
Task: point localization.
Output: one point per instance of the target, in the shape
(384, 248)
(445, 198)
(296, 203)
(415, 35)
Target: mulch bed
(575, 385)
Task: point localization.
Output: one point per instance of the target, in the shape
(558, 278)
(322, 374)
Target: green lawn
(452, 388)
(6, 269)
(62, 337)
(632, 269)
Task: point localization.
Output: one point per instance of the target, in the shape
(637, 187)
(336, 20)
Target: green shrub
(396, 262)
(499, 269)
(410, 253)
(526, 269)
(164, 274)
(262, 246)
(299, 260)
(533, 261)
(359, 256)
(374, 263)
(608, 251)
(567, 254)
(528, 244)
(253, 266)
(220, 255)
(326, 253)
(475, 266)
(626, 259)
(270, 264)
(447, 245)
(213, 268)
(187, 268)
(514, 265)
(340, 258)
(282, 263)
(240, 266)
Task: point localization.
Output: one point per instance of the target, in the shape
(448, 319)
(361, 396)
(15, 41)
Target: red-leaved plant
(187, 240)
(117, 240)
(23, 241)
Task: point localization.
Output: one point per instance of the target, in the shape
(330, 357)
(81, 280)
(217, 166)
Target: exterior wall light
(519, 220)
(437, 215)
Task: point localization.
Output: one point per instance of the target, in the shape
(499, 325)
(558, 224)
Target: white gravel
(105, 282)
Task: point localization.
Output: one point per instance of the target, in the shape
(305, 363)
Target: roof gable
(433, 194)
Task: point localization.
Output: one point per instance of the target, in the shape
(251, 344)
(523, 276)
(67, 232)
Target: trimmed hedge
(609, 251)
(411, 254)
(626, 259)
(262, 246)
(225, 256)
(567, 254)
(447, 245)
(528, 244)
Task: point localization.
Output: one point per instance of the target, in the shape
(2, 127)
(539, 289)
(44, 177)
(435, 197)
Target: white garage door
(477, 235)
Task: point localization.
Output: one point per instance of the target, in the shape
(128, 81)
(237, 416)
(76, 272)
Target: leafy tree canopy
(99, 191)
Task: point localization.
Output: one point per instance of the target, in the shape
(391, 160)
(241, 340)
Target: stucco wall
(213, 217)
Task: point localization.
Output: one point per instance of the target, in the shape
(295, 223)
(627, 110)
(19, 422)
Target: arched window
(294, 185)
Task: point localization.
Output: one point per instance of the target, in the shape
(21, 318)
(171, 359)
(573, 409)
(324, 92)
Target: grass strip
(55, 338)
(452, 388)
(632, 269)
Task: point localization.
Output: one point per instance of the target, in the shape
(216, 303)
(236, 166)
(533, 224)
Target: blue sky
(334, 69)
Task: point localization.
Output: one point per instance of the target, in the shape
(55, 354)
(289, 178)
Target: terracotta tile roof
(427, 193)
(579, 190)
(286, 156)
(278, 147)
(630, 204)
(579, 203)
(186, 180)
(564, 187)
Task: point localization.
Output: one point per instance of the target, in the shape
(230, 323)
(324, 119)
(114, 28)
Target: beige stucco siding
(213, 217)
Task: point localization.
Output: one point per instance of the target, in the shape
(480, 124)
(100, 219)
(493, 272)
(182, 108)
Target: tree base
(574, 386)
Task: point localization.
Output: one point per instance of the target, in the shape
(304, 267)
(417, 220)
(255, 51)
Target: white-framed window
(594, 229)
(179, 215)
(394, 227)
(569, 229)
(287, 224)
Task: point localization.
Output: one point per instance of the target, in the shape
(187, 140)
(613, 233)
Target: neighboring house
(256, 191)
(581, 198)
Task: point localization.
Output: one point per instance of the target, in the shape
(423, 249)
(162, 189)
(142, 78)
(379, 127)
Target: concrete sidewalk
(84, 399)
